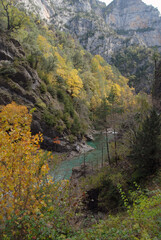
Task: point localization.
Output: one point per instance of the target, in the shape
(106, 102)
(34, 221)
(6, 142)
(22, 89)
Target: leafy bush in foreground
(32, 206)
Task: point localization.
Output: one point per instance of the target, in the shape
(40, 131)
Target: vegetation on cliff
(72, 83)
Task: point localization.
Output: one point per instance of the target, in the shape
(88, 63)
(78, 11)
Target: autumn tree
(71, 76)
(30, 200)
(22, 167)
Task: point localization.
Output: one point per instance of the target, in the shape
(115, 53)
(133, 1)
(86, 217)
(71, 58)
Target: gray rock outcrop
(107, 30)
(20, 83)
(103, 29)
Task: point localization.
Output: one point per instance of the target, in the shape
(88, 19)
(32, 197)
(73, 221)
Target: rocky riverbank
(72, 150)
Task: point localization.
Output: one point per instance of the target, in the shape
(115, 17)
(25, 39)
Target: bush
(40, 103)
(51, 89)
(32, 205)
(49, 118)
(61, 95)
(67, 120)
(76, 126)
(43, 88)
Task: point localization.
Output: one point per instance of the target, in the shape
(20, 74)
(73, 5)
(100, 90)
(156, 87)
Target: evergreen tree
(146, 147)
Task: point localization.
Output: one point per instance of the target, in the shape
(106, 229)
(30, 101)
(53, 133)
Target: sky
(155, 3)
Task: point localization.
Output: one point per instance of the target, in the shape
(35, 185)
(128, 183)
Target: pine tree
(146, 147)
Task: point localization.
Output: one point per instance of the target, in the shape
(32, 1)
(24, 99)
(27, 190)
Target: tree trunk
(116, 156)
(107, 145)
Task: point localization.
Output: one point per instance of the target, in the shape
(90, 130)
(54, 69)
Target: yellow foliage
(106, 81)
(71, 77)
(108, 72)
(44, 46)
(74, 83)
(51, 78)
(22, 167)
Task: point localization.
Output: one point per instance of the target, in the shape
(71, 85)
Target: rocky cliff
(106, 30)
(99, 27)
(20, 83)
(135, 19)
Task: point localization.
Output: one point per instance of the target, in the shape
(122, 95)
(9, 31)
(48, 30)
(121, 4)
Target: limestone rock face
(41, 7)
(97, 25)
(130, 15)
(106, 30)
(136, 18)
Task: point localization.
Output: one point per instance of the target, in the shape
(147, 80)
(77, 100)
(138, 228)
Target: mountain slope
(133, 19)
(107, 30)
(48, 70)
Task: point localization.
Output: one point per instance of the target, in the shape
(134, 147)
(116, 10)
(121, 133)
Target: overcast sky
(155, 3)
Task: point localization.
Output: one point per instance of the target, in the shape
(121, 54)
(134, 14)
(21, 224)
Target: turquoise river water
(94, 158)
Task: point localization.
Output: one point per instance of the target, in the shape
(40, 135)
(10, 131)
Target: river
(94, 158)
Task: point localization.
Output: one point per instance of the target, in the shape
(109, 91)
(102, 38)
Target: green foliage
(109, 197)
(67, 120)
(12, 17)
(136, 63)
(51, 89)
(76, 126)
(40, 104)
(66, 99)
(43, 88)
(78, 60)
(145, 152)
(106, 182)
(7, 69)
(141, 222)
(61, 95)
(49, 118)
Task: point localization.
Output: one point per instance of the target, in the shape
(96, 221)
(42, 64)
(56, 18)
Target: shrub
(61, 95)
(32, 206)
(21, 174)
(40, 103)
(75, 129)
(51, 89)
(67, 120)
(49, 118)
(43, 88)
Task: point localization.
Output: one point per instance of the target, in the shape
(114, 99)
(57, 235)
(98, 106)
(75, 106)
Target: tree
(115, 109)
(29, 198)
(15, 18)
(22, 167)
(155, 58)
(146, 148)
(71, 76)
